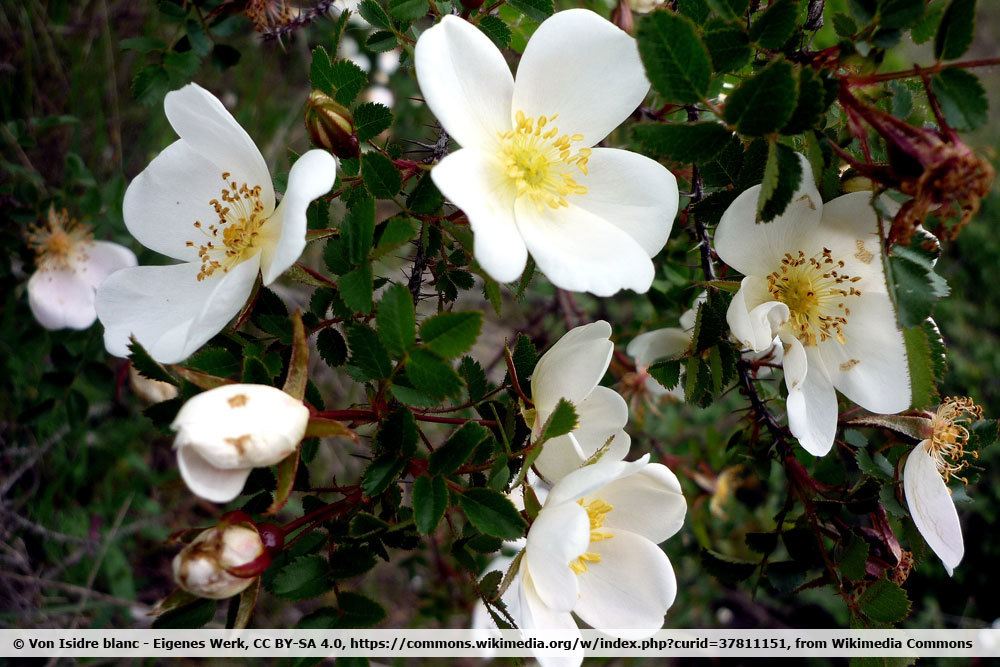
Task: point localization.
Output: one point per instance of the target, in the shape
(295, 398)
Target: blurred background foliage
(88, 487)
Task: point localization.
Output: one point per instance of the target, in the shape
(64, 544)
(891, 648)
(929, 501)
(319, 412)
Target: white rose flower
(224, 433)
(814, 278)
(572, 369)
(201, 568)
(69, 266)
(207, 200)
(925, 479)
(527, 176)
(592, 551)
(149, 390)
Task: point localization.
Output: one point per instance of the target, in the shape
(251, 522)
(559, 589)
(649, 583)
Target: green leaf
(675, 58)
(372, 12)
(776, 25)
(727, 43)
(450, 456)
(696, 10)
(357, 289)
(496, 30)
(884, 602)
(764, 103)
(332, 347)
(367, 353)
(341, 80)
(304, 577)
(380, 175)
(381, 40)
(430, 500)
(815, 97)
(915, 285)
(876, 467)
(425, 197)
(537, 10)
(684, 142)
(370, 120)
(844, 26)
(431, 375)
(920, 360)
(408, 10)
(451, 334)
(358, 229)
(928, 26)
(782, 176)
(475, 378)
(726, 569)
(954, 35)
(190, 616)
(396, 232)
(853, 559)
(146, 365)
(899, 14)
(492, 513)
(667, 373)
(396, 318)
(732, 9)
(355, 611)
(561, 421)
(962, 98)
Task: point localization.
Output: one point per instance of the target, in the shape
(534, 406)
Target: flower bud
(204, 567)
(223, 433)
(150, 391)
(331, 125)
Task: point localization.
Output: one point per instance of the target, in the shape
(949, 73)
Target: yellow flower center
(816, 291)
(597, 512)
(234, 235)
(540, 163)
(57, 239)
(950, 436)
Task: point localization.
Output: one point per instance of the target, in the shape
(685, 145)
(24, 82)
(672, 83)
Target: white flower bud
(644, 6)
(200, 568)
(151, 391)
(223, 433)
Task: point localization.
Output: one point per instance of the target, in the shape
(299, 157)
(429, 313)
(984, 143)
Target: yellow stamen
(59, 241)
(540, 163)
(597, 512)
(816, 291)
(950, 436)
(240, 219)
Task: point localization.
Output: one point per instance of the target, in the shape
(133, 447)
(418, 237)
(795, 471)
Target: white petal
(659, 344)
(754, 319)
(468, 178)
(536, 615)
(589, 480)
(632, 192)
(559, 457)
(871, 367)
(311, 176)
(602, 416)
(756, 249)
(60, 299)
(101, 259)
(631, 588)
(812, 407)
(794, 363)
(168, 310)
(572, 367)
(465, 82)
(649, 503)
(851, 231)
(932, 507)
(688, 318)
(580, 252)
(202, 122)
(583, 68)
(558, 536)
(217, 485)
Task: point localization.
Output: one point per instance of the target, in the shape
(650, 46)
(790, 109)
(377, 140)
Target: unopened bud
(331, 125)
(205, 567)
(150, 391)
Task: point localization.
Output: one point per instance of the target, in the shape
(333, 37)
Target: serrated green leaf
(899, 14)
(425, 198)
(381, 40)
(732, 9)
(450, 456)
(146, 366)
(492, 513)
(370, 120)
(432, 375)
(782, 177)
(396, 232)
(189, 616)
(853, 559)
(332, 347)
(764, 103)
(954, 35)
(408, 10)
(367, 353)
(684, 142)
(396, 318)
(928, 26)
(727, 43)
(696, 10)
(304, 577)
(884, 602)
(373, 12)
(919, 359)
(844, 25)
(353, 611)
(814, 98)
(475, 378)
(915, 284)
(962, 98)
(536, 10)
(562, 420)
(380, 175)
(430, 500)
(341, 79)
(676, 60)
(726, 569)
(667, 373)
(357, 289)
(357, 230)
(451, 334)
(776, 24)
(496, 30)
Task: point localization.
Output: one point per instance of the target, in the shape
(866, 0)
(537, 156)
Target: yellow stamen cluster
(597, 512)
(268, 14)
(540, 163)
(816, 290)
(59, 240)
(950, 436)
(240, 216)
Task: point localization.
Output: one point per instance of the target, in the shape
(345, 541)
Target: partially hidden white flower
(572, 369)
(527, 175)
(592, 551)
(651, 346)
(928, 468)
(814, 278)
(69, 266)
(207, 201)
(148, 389)
(201, 567)
(224, 433)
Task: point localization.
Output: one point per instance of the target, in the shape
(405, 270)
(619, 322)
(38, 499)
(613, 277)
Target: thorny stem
(917, 70)
(369, 416)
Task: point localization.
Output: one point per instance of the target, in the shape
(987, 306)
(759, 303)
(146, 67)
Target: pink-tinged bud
(331, 125)
(206, 566)
(622, 16)
(272, 535)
